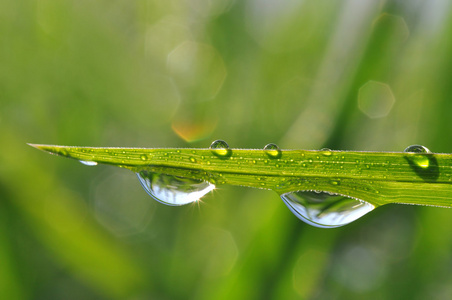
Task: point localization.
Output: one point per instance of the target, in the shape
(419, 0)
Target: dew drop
(326, 152)
(192, 159)
(324, 209)
(220, 148)
(421, 161)
(219, 144)
(417, 149)
(143, 157)
(173, 190)
(272, 150)
(88, 163)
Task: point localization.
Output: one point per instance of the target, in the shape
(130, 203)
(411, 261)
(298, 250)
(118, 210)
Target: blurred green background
(351, 75)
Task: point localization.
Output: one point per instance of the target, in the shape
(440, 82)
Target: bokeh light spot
(192, 131)
(197, 69)
(163, 36)
(396, 25)
(375, 99)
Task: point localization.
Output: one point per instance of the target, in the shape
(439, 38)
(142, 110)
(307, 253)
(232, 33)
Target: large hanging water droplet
(88, 163)
(220, 148)
(173, 190)
(272, 150)
(325, 210)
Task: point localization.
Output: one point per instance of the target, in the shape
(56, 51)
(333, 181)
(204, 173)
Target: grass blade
(376, 177)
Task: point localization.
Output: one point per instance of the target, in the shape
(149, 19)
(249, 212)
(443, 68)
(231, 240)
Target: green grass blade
(376, 177)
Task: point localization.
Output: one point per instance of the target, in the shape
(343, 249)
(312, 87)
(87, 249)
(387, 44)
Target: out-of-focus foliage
(356, 75)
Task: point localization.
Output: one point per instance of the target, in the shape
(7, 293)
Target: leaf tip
(37, 146)
(46, 148)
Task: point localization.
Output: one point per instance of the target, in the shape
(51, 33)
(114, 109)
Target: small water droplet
(219, 144)
(421, 161)
(173, 190)
(192, 159)
(220, 148)
(143, 157)
(326, 151)
(272, 150)
(88, 163)
(325, 209)
(417, 149)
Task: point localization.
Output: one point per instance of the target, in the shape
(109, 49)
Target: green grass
(375, 177)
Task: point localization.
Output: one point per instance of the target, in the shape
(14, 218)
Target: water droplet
(173, 190)
(88, 163)
(272, 150)
(220, 148)
(219, 144)
(326, 151)
(417, 149)
(192, 159)
(143, 157)
(423, 162)
(324, 209)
